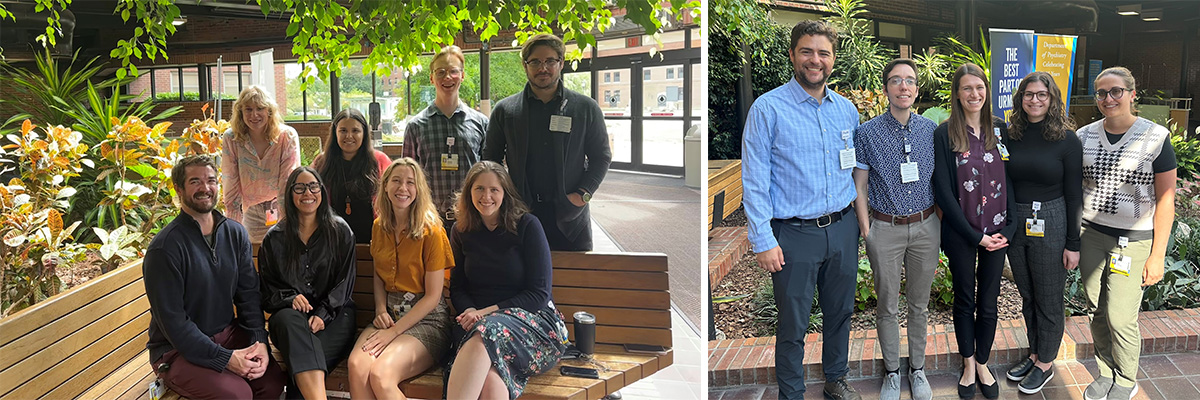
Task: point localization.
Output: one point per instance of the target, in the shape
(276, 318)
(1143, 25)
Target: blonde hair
(255, 96)
(450, 50)
(422, 215)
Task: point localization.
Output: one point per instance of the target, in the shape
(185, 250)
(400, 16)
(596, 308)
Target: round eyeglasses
(1116, 93)
(313, 187)
(1042, 95)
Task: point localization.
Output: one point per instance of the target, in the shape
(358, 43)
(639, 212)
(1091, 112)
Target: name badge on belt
(560, 123)
(1035, 227)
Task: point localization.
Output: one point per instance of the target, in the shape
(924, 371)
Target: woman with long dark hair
(501, 289)
(1128, 209)
(257, 154)
(1046, 169)
(307, 270)
(971, 188)
(411, 329)
(352, 167)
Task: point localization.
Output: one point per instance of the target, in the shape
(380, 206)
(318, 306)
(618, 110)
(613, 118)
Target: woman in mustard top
(411, 252)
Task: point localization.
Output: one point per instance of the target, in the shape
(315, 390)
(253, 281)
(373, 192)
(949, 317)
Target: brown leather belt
(903, 219)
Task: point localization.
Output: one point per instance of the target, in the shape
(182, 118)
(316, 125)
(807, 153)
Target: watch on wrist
(587, 197)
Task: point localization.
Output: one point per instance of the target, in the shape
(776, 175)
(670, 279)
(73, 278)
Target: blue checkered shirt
(425, 141)
(880, 143)
(790, 165)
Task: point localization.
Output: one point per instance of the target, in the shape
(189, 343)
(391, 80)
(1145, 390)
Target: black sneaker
(1035, 379)
(840, 390)
(1018, 371)
(1098, 389)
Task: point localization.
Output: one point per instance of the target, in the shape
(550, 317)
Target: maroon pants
(196, 382)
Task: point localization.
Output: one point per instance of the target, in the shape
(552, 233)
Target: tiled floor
(1174, 376)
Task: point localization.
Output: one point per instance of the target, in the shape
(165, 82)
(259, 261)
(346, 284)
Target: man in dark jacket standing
(555, 143)
(196, 271)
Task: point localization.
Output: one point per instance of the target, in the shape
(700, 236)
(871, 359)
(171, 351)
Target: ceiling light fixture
(1152, 15)
(179, 21)
(1132, 9)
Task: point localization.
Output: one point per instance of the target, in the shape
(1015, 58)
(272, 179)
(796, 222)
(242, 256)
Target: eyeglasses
(313, 187)
(453, 73)
(896, 81)
(1042, 95)
(538, 64)
(1116, 93)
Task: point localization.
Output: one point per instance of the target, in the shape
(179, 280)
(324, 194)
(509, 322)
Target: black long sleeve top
(323, 273)
(1042, 170)
(193, 288)
(945, 187)
(501, 268)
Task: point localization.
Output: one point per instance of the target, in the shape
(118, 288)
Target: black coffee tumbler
(585, 332)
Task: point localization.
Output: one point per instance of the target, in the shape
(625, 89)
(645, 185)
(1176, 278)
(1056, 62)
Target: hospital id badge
(1003, 151)
(449, 162)
(273, 213)
(1035, 227)
(157, 389)
(560, 123)
(846, 157)
(908, 172)
(1119, 264)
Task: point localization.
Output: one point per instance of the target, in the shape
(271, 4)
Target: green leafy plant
(1180, 285)
(50, 89)
(962, 53)
(864, 290)
(937, 114)
(860, 58)
(942, 291)
(742, 33)
(933, 72)
(1187, 152)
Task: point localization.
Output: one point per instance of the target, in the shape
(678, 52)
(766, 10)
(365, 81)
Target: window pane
(229, 73)
(291, 100)
(169, 87)
(662, 142)
(616, 104)
(506, 73)
(579, 82)
(318, 99)
(619, 139)
(140, 87)
(671, 40)
(663, 97)
(355, 89)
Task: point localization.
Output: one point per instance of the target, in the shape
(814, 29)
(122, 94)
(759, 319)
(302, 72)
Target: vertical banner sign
(262, 69)
(1012, 59)
(1094, 68)
(1056, 56)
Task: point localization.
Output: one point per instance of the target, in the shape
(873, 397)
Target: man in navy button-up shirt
(797, 158)
(896, 216)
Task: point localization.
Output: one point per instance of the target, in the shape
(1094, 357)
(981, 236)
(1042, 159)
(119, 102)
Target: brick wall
(1155, 61)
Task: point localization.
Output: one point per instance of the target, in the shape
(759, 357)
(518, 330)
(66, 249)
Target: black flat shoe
(990, 391)
(1018, 371)
(965, 392)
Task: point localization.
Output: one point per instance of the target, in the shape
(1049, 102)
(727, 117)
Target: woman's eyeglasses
(1116, 93)
(1042, 95)
(312, 187)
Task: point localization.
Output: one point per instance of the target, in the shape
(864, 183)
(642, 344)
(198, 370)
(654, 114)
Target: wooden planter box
(724, 181)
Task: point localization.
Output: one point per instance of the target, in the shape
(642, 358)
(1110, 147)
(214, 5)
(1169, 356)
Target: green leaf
(728, 299)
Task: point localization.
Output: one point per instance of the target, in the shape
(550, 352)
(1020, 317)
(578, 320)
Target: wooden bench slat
(70, 346)
(113, 382)
(650, 262)
(632, 280)
(655, 300)
(76, 373)
(617, 335)
(44, 312)
(613, 316)
(48, 334)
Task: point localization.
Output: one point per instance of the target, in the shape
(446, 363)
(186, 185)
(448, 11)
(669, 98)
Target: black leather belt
(820, 222)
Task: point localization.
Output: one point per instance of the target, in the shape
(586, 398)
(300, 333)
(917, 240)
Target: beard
(196, 206)
(553, 82)
(804, 82)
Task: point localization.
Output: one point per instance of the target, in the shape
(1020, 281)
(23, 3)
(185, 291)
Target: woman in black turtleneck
(1046, 168)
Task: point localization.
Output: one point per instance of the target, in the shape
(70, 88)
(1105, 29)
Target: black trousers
(976, 275)
(824, 259)
(303, 350)
(557, 239)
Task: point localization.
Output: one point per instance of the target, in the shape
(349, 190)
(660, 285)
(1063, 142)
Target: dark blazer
(582, 155)
(945, 187)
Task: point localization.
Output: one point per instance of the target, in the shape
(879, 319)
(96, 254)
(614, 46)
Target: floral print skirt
(521, 343)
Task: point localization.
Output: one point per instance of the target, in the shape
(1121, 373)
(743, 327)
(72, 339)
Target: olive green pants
(1115, 300)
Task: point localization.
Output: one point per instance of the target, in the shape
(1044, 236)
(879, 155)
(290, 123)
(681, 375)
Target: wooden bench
(724, 179)
(90, 342)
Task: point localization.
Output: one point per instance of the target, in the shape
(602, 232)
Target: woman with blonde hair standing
(258, 153)
(1128, 209)
(411, 329)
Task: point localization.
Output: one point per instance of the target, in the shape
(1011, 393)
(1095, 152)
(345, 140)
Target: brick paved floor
(1162, 376)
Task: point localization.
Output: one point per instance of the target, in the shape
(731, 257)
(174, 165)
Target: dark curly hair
(1057, 121)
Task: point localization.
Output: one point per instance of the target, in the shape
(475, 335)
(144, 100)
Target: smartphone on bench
(579, 372)
(645, 348)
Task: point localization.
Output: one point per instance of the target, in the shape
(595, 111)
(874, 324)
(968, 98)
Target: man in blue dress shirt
(797, 159)
(896, 216)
